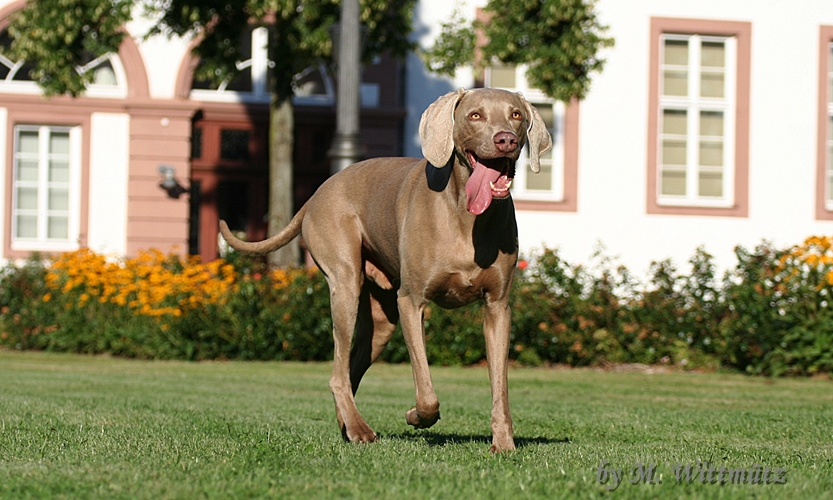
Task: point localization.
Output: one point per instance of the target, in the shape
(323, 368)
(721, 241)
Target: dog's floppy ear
(537, 136)
(436, 128)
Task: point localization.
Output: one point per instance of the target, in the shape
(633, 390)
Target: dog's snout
(506, 142)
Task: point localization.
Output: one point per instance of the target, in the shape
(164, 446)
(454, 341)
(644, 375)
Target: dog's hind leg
(375, 325)
(338, 253)
(345, 291)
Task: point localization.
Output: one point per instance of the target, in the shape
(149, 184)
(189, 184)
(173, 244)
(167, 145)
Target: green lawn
(96, 427)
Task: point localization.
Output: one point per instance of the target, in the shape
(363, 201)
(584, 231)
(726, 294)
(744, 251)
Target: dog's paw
(501, 445)
(421, 421)
(361, 434)
(366, 438)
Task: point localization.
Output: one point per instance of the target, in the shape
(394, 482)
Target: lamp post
(346, 148)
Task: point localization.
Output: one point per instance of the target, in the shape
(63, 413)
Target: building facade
(86, 171)
(711, 125)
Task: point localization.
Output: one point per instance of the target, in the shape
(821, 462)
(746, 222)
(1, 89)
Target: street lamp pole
(346, 148)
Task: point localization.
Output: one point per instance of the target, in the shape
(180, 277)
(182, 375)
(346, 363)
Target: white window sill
(43, 246)
(694, 203)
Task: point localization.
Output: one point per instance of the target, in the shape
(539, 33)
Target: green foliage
(559, 41)
(22, 310)
(768, 315)
(389, 24)
(59, 37)
(454, 47)
(778, 318)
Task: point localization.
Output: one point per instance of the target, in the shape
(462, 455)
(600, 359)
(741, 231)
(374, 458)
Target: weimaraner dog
(393, 234)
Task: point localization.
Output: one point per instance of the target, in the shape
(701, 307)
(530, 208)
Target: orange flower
(151, 284)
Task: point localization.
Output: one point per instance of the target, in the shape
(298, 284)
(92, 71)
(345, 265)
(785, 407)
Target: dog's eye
(516, 115)
(475, 116)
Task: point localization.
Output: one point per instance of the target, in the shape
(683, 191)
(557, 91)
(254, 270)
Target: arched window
(251, 84)
(108, 74)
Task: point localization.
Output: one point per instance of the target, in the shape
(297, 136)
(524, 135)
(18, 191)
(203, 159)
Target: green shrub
(768, 315)
(778, 319)
(24, 316)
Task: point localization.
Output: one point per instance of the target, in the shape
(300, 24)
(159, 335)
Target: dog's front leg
(427, 409)
(496, 328)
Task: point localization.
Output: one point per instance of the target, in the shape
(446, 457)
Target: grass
(97, 427)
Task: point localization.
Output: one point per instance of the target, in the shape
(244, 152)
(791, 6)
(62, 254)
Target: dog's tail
(268, 245)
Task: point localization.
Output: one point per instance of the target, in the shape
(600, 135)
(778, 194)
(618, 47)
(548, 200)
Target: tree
(58, 37)
(558, 40)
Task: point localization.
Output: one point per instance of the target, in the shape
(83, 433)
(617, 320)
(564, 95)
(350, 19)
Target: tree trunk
(281, 192)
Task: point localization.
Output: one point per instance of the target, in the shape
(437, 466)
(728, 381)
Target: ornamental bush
(769, 315)
(778, 317)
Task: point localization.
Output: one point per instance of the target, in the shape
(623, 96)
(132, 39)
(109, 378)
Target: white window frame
(42, 242)
(828, 178)
(29, 87)
(260, 65)
(117, 91)
(539, 99)
(693, 104)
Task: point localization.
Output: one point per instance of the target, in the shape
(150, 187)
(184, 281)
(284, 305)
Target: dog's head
(486, 129)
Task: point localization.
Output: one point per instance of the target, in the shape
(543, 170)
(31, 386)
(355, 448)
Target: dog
(393, 234)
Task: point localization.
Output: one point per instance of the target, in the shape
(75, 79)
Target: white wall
(613, 137)
(4, 121)
(162, 57)
(109, 156)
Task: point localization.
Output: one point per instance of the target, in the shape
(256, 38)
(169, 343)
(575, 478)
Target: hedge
(770, 314)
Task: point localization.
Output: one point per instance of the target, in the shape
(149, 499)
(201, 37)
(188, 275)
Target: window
(311, 86)
(824, 189)
(234, 144)
(698, 127)
(829, 136)
(696, 112)
(549, 184)
(107, 73)
(46, 188)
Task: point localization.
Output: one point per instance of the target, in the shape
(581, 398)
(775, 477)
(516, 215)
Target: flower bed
(770, 314)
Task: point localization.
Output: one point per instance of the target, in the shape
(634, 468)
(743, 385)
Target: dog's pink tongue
(478, 190)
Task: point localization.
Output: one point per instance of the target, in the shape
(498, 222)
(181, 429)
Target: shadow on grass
(443, 439)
